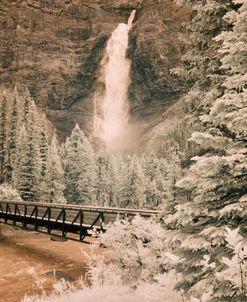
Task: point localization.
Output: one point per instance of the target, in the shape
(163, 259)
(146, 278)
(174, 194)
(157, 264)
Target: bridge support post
(102, 218)
(25, 217)
(6, 213)
(36, 226)
(48, 220)
(63, 220)
(14, 219)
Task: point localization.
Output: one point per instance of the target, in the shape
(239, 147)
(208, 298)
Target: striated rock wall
(155, 48)
(54, 47)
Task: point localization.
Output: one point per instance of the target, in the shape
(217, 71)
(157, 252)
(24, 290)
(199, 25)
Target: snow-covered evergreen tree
(8, 193)
(26, 107)
(3, 137)
(26, 175)
(43, 144)
(153, 195)
(80, 168)
(200, 60)
(215, 184)
(102, 195)
(150, 165)
(22, 178)
(114, 176)
(154, 181)
(132, 194)
(137, 250)
(109, 180)
(87, 178)
(54, 182)
(14, 124)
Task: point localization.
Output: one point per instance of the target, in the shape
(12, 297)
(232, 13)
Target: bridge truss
(67, 221)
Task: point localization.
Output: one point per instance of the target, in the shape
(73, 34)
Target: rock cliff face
(54, 47)
(155, 48)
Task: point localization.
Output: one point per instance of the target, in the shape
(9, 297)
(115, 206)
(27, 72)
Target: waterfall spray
(111, 109)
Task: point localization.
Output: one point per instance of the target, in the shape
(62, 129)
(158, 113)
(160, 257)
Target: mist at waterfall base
(111, 104)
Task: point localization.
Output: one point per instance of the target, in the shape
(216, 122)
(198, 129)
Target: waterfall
(111, 107)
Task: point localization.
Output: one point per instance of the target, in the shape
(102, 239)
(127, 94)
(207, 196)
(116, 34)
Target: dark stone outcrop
(155, 48)
(54, 47)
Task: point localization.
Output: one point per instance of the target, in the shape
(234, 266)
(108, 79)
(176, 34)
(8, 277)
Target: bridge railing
(65, 219)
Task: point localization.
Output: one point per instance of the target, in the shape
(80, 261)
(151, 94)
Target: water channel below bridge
(29, 259)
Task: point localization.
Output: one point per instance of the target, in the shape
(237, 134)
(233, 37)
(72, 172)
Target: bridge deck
(67, 219)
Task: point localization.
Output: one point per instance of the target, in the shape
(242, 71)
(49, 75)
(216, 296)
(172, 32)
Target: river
(29, 259)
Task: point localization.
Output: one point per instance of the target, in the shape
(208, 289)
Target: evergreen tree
(43, 144)
(215, 185)
(109, 179)
(26, 107)
(115, 174)
(154, 181)
(233, 49)
(153, 195)
(80, 168)
(150, 165)
(22, 174)
(12, 135)
(54, 182)
(27, 176)
(132, 193)
(102, 195)
(3, 137)
(200, 60)
(87, 178)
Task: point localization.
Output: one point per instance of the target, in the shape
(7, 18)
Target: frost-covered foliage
(136, 267)
(7, 193)
(136, 251)
(233, 50)
(200, 60)
(234, 274)
(25, 147)
(41, 170)
(3, 138)
(54, 183)
(157, 292)
(13, 133)
(211, 197)
(198, 176)
(80, 168)
(114, 180)
(133, 189)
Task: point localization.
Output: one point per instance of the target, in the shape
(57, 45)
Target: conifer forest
(162, 127)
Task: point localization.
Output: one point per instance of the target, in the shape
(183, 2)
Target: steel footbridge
(67, 221)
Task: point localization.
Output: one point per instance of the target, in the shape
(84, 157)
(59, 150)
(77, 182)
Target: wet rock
(59, 275)
(58, 238)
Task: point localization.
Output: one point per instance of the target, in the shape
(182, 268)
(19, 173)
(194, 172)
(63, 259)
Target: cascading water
(111, 108)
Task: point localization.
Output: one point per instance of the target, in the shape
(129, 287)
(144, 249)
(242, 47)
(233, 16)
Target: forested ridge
(195, 171)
